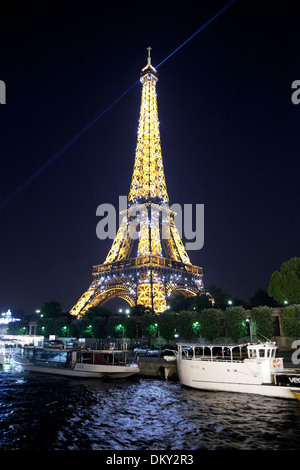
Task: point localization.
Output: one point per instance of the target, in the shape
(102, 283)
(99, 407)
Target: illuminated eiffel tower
(161, 267)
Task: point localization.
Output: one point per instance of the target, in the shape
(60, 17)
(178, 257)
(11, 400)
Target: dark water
(40, 412)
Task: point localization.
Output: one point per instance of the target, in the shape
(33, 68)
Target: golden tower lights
(162, 266)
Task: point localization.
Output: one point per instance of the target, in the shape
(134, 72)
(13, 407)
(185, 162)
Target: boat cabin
(262, 350)
(237, 352)
(58, 358)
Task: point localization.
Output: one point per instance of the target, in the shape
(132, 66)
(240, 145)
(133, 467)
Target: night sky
(229, 136)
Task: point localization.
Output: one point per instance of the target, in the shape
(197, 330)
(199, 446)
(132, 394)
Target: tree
(52, 325)
(263, 320)
(99, 327)
(210, 323)
(290, 318)
(140, 310)
(130, 324)
(93, 312)
(179, 302)
(167, 324)
(113, 323)
(285, 284)
(220, 297)
(199, 302)
(235, 322)
(186, 303)
(51, 309)
(261, 297)
(149, 324)
(75, 329)
(185, 327)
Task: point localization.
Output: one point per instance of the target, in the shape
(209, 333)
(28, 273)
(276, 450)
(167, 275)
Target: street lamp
(64, 330)
(121, 327)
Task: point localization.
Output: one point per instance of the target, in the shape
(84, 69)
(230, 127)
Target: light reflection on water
(42, 412)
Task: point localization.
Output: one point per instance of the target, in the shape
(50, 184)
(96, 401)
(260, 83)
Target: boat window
(237, 353)
(99, 358)
(28, 353)
(261, 353)
(226, 352)
(217, 351)
(87, 357)
(50, 356)
(252, 353)
(197, 352)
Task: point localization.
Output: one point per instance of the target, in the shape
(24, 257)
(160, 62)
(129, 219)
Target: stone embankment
(158, 367)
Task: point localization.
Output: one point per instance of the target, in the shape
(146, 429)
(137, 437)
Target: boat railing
(211, 358)
(213, 352)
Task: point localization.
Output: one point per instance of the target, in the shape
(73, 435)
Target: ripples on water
(40, 412)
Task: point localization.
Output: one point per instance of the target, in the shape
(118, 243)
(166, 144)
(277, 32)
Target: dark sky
(229, 135)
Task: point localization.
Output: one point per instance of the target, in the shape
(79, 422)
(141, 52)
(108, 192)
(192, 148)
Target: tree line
(208, 323)
(187, 318)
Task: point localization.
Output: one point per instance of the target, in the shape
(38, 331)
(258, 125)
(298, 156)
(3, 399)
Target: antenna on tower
(149, 56)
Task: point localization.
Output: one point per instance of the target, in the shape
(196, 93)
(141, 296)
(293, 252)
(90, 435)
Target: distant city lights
(7, 317)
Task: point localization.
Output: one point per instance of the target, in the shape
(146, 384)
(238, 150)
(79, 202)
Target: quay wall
(157, 367)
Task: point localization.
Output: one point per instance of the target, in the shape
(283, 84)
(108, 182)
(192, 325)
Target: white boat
(5, 357)
(106, 363)
(244, 368)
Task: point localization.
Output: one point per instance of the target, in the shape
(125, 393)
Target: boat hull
(82, 373)
(296, 393)
(230, 377)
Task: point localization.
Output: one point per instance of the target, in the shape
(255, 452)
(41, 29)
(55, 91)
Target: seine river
(40, 412)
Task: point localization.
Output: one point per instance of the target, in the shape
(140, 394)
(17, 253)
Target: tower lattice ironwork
(161, 267)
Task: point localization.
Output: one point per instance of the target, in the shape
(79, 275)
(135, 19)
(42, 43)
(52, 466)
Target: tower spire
(148, 178)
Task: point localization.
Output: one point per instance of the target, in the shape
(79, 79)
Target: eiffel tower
(161, 267)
